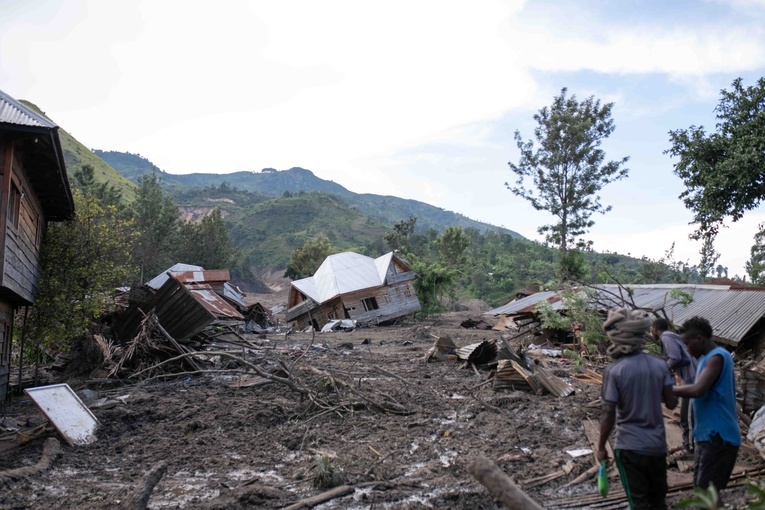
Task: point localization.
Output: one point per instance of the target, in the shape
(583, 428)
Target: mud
(265, 446)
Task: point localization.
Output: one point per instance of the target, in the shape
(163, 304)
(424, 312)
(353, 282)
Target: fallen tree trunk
(321, 498)
(139, 498)
(51, 449)
(500, 486)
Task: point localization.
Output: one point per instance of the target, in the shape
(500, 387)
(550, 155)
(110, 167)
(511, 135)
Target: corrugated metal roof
(13, 112)
(519, 304)
(205, 276)
(159, 280)
(732, 312)
(212, 301)
(343, 273)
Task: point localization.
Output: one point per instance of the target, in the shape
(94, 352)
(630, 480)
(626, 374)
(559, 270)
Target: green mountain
(76, 155)
(386, 209)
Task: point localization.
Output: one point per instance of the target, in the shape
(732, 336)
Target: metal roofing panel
(345, 272)
(13, 112)
(204, 276)
(520, 304)
(307, 287)
(212, 301)
(732, 312)
(159, 280)
(382, 264)
(234, 294)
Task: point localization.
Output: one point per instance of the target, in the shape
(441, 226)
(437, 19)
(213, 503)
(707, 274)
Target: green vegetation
(307, 258)
(567, 170)
(83, 260)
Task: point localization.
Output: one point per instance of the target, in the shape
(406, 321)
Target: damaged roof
(732, 311)
(343, 273)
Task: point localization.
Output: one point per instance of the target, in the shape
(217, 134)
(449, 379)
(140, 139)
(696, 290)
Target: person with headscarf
(634, 386)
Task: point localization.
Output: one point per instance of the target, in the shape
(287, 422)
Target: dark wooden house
(353, 286)
(34, 190)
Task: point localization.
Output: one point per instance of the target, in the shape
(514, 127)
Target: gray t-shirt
(635, 384)
(677, 357)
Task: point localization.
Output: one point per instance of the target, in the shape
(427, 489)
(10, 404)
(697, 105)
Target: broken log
(51, 450)
(584, 476)
(337, 492)
(141, 494)
(500, 486)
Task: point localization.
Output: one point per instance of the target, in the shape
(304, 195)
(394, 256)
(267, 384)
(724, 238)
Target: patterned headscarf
(626, 329)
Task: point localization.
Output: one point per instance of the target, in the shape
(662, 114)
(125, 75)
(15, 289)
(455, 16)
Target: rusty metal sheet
(66, 412)
(205, 276)
(212, 301)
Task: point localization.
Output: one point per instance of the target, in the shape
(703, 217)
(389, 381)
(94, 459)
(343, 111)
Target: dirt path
(262, 447)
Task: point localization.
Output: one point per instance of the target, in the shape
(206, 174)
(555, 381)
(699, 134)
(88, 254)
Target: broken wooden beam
(139, 497)
(337, 492)
(500, 486)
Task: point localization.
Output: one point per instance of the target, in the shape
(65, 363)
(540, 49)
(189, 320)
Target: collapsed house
(34, 189)
(736, 313)
(353, 286)
(189, 299)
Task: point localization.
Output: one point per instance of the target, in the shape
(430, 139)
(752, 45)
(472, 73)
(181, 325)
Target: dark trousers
(644, 479)
(686, 423)
(714, 463)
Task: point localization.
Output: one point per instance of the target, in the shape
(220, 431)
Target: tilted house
(34, 190)
(353, 286)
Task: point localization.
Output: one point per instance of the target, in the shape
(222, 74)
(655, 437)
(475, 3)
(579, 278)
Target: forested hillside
(386, 209)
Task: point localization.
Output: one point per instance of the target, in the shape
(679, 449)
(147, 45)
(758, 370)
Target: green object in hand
(603, 479)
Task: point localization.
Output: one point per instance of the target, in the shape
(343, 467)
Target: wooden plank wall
(6, 338)
(22, 265)
(393, 301)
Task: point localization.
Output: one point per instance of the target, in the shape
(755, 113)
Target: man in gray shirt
(634, 386)
(681, 364)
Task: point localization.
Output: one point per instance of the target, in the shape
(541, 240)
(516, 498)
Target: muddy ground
(403, 436)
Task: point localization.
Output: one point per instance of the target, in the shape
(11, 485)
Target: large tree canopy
(724, 171)
(567, 169)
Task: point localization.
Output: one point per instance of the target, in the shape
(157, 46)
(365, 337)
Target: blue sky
(414, 99)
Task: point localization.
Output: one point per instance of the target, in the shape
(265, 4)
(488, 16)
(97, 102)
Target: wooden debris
(589, 376)
(337, 492)
(500, 486)
(51, 450)
(139, 498)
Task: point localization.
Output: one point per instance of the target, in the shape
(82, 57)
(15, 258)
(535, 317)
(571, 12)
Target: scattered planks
(589, 376)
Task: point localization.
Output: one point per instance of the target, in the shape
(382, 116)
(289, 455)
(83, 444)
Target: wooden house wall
(322, 314)
(22, 240)
(393, 301)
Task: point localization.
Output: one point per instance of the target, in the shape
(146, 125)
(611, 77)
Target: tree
(307, 258)
(400, 239)
(709, 256)
(157, 221)
(85, 180)
(207, 243)
(567, 169)
(452, 245)
(722, 171)
(755, 266)
(83, 260)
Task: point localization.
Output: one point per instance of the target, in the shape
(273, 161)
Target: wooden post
(500, 486)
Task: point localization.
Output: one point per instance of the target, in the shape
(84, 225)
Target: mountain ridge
(386, 208)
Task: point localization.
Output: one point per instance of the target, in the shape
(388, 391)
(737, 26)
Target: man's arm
(672, 353)
(668, 395)
(607, 422)
(704, 381)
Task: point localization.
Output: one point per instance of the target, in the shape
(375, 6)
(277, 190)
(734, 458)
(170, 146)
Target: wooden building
(353, 286)
(34, 189)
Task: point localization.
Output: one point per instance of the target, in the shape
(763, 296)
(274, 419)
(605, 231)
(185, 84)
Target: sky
(417, 99)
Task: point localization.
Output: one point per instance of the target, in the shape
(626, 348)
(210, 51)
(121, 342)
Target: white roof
(343, 273)
(159, 280)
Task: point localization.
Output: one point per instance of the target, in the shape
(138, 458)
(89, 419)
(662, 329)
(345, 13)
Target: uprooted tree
(567, 168)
